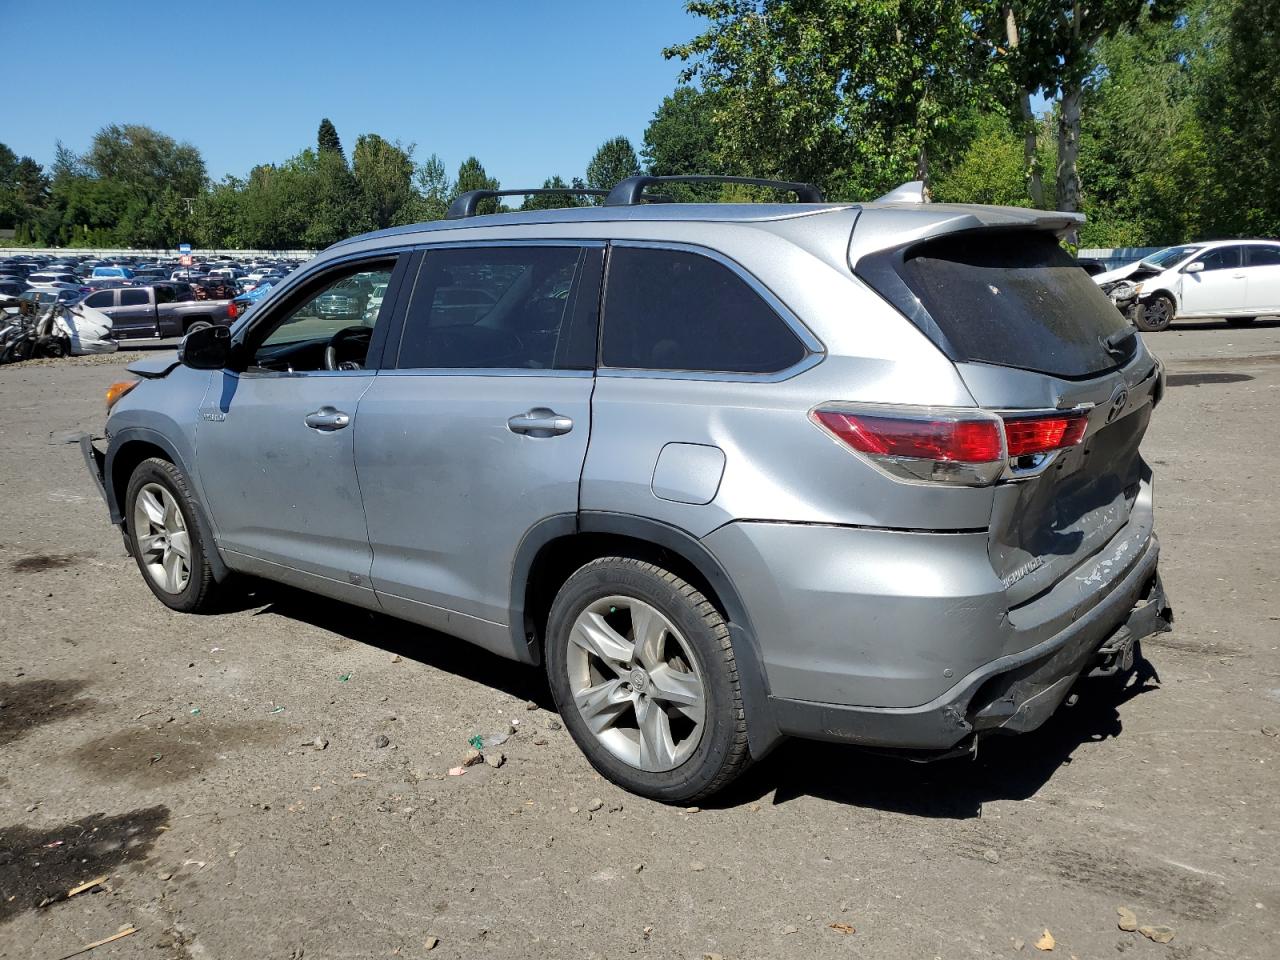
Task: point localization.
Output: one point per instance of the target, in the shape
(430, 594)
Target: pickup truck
(158, 310)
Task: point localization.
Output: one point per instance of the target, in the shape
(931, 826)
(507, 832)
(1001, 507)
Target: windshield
(1168, 257)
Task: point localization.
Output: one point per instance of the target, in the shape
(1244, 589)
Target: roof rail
(912, 191)
(631, 190)
(465, 205)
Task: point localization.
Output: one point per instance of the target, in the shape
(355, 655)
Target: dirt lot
(166, 753)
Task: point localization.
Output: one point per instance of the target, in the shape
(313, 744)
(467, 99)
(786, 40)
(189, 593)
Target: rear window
(1017, 299)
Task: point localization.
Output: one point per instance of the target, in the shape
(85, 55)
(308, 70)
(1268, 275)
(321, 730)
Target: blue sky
(531, 88)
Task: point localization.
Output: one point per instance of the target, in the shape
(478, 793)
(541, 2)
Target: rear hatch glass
(1016, 298)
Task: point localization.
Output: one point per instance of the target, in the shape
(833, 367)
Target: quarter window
(673, 310)
(519, 307)
(1264, 256)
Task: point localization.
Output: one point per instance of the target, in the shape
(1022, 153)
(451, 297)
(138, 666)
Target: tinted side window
(165, 294)
(1223, 258)
(672, 310)
(133, 298)
(523, 307)
(103, 298)
(1264, 256)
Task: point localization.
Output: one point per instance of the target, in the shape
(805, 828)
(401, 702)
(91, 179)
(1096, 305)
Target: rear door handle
(540, 422)
(327, 418)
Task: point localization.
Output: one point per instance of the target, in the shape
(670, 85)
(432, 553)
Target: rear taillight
(1029, 436)
(232, 310)
(963, 446)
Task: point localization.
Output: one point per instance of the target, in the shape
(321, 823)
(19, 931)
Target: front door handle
(327, 418)
(540, 422)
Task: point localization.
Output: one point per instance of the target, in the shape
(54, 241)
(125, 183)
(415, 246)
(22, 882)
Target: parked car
(115, 272)
(160, 310)
(857, 472)
(1238, 280)
(53, 278)
(40, 296)
(10, 291)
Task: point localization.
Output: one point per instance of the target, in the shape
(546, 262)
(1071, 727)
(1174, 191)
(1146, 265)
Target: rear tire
(197, 325)
(1157, 314)
(165, 539)
(1240, 321)
(662, 718)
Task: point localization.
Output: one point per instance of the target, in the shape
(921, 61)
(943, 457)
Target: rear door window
(103, 298)
(1264, 256)
(1013, 298)
(529, 307)
(133, 298)
(679, 311)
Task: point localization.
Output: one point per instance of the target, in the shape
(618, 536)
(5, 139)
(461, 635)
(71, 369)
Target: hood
(154, 367)
(1119, 273)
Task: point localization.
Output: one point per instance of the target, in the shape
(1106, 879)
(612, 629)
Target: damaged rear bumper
(1016, 693)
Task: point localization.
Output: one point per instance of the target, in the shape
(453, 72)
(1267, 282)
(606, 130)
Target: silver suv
(732, 472)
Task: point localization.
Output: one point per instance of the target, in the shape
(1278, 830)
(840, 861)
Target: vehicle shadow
(1261, 323)
(399, 637)
(1005, 768)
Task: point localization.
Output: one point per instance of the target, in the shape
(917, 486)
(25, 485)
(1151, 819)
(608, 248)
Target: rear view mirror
(208, 348)
(1194, 267)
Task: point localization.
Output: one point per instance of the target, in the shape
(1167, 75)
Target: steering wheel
(338, 343)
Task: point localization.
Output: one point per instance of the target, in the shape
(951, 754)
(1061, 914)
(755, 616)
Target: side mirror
(1195, 267)
(208, 348)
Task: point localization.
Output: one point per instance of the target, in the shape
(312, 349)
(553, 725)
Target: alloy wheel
(636, 683)
(160, 532)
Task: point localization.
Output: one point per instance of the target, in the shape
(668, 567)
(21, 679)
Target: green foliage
(471, 176)
(384, 174)
(554, 201)
(854, 95)
(991, 168)
(327, 139)
(615, 160)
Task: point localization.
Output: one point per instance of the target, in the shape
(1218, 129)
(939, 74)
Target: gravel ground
(177, 756)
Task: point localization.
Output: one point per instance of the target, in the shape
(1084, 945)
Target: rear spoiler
(898, 222)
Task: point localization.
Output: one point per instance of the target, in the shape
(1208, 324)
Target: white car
(1238, 280)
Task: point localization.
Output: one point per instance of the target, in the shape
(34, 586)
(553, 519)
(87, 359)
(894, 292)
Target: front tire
(165, 538)
(195, 325)
(643, 673)
(1157, 314)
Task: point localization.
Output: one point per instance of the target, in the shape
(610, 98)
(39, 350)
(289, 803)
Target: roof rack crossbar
(465, 205)
(631, 190)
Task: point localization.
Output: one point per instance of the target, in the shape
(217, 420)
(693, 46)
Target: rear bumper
(1016, 693)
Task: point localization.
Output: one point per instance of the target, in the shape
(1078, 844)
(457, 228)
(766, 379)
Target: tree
(991, 169)
(553, 201)
(614, 161)
(432, 190)
(472, 176)
(681, 139)
(384, 174)
(327, 139)
(145, 160)
(854, 95)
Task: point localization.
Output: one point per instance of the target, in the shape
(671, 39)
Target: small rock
(697, 866)
(496, 760)
(1019, 943)
(573, 809)
(990, 856)
(713, 956)
(431, 942)
(692, 809)
(319, 743)
(530, 705)
(32, 808)
(594, 804)
(787, 929)
(556, 725)
(472, 757)
(166, 875)
(539, 741)
(1128, 919)
(1158, 933)
(1046, 941)
(637, 868)
(396, 659)
(808, 918)
(1271, 731)
(615, 808)
(382, 740)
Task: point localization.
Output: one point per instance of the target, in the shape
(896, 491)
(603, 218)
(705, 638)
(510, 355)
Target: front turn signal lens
(118, 390)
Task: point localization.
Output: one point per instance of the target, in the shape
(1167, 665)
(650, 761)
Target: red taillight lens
(946, 440)
(1031, 435)
(232, 310)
